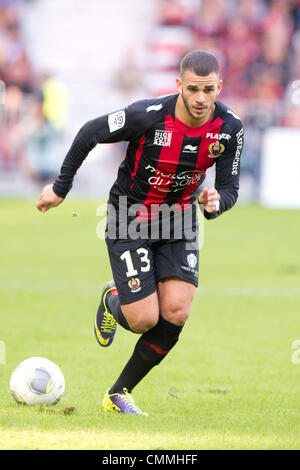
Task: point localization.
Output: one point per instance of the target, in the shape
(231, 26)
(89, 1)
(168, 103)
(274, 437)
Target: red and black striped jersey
(165, 159)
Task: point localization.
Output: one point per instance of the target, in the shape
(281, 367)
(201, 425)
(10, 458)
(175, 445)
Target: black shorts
(138, 265)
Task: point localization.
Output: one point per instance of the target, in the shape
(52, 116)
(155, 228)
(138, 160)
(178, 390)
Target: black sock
(149, 351)
(114, 306)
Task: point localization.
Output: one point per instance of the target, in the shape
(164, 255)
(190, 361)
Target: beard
(187, 106)
(189, 110)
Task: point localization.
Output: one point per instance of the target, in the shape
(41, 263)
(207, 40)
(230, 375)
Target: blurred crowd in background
(33, 105)
(257, 43)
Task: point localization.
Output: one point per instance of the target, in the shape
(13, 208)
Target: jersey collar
(191, 131)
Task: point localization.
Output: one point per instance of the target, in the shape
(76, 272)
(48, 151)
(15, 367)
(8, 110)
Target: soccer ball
(37, 381)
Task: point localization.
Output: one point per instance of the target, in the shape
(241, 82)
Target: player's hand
(48, 199)
(210, 199)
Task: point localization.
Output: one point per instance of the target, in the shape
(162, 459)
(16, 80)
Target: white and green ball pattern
(37, 381)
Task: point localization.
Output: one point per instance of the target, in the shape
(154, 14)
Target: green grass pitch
(230, 382)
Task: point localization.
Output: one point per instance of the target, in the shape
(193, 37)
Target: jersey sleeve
(228, 172)
(123, 125)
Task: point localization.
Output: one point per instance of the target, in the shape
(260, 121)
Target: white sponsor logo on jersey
(212, 135)
(162, 138)
(190, 148)
(236, 160)
(154, 107)
(116, 120)
(166, 182)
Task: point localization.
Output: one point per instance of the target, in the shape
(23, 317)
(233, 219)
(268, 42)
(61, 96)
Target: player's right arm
(48, 199)
(122, 125)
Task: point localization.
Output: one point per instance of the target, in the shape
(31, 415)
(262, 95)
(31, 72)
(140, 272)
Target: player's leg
(142, 316)
(132, 302)
(137, 317)
(154, 344)
(105, 324)
(177, 272)
(175, 299)
(174, 295)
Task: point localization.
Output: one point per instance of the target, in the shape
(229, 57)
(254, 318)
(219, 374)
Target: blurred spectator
(211, 18)
(177, 12)
(35, 105)
(41, 156)
(128, 79)
(251, 40)
(252, 12)
(169, 41)
(257, 43)
(128, 86)
(55, 101)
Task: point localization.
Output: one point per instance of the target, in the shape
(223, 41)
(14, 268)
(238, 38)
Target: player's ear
(179, 85)
(220, 84)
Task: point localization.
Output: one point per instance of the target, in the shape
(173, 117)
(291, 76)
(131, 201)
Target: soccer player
(172, 141)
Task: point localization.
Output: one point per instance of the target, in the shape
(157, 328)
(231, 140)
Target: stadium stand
(64, 62)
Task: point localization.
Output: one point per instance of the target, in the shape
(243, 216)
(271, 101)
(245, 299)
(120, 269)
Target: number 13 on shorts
(144, 259)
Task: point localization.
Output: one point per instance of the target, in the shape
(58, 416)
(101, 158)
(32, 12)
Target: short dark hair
(200, 62)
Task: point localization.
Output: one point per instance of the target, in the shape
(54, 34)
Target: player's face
(198, 94)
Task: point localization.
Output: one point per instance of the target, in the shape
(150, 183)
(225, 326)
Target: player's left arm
(228, 173)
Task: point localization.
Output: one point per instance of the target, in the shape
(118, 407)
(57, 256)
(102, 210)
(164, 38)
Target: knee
(176, 312)
(143, 323)
(143, 314)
